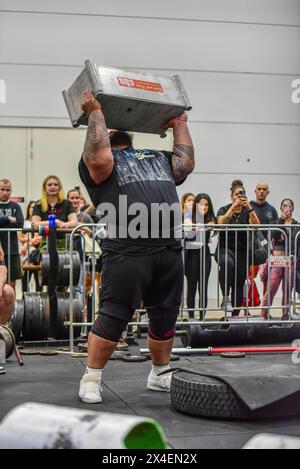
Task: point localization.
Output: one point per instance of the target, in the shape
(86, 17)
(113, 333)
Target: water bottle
(52, 221)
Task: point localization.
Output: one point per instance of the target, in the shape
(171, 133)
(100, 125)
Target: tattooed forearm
(96, 136)
(182, 161)
(184, 151)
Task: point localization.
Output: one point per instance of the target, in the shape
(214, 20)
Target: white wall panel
(266, 11)
(35, 92)
(246, 149)
(68, 40)
(14, 156)
(55, 152)
(224, 97)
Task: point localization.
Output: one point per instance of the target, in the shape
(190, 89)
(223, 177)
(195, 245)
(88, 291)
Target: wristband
(250, 210)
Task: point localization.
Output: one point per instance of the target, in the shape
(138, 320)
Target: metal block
(130, 101)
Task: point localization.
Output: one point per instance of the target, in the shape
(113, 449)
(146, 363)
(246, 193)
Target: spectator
(267, 214)
(197, 252)
(74, 196)
(186, 202)
(232, 253)
(29, 250)
(282, 275)
(53, 202)
(10, 217)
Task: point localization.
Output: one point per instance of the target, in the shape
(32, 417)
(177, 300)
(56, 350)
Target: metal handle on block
(181, 89)
(70, 107)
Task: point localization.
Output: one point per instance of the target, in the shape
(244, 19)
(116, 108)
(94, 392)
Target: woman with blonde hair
(53, 202)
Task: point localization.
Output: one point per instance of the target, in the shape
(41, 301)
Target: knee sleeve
(112, 321)
(162, 323)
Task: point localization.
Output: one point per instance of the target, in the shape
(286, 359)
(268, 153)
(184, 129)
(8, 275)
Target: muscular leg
(160, 351)
(6, 303)
(102, 342)
(161, 333)
(99, 350)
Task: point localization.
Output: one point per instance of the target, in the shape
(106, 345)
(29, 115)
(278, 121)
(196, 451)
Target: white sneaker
(226, 305)
(159, 383)
(90, 388)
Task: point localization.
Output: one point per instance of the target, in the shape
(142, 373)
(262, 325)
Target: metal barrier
(250, 231)
(287, 261)
(96, 229)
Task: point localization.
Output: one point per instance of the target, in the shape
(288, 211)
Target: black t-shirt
(10, 209)
(144, 177)
(241, 237)
(267, 214)
(61, 210)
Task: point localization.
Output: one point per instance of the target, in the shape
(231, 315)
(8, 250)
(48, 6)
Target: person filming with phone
(283, 245)
(232, 252)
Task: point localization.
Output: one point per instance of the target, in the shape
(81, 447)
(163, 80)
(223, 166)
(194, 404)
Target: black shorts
(14, 270)
(155, 279)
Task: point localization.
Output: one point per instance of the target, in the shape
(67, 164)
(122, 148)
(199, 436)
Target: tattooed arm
(97, 153)
(183, 161)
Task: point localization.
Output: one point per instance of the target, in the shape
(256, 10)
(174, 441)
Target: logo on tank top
(139, 154)
(135, 166)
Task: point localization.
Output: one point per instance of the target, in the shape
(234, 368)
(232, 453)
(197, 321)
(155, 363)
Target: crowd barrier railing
(287, 261)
